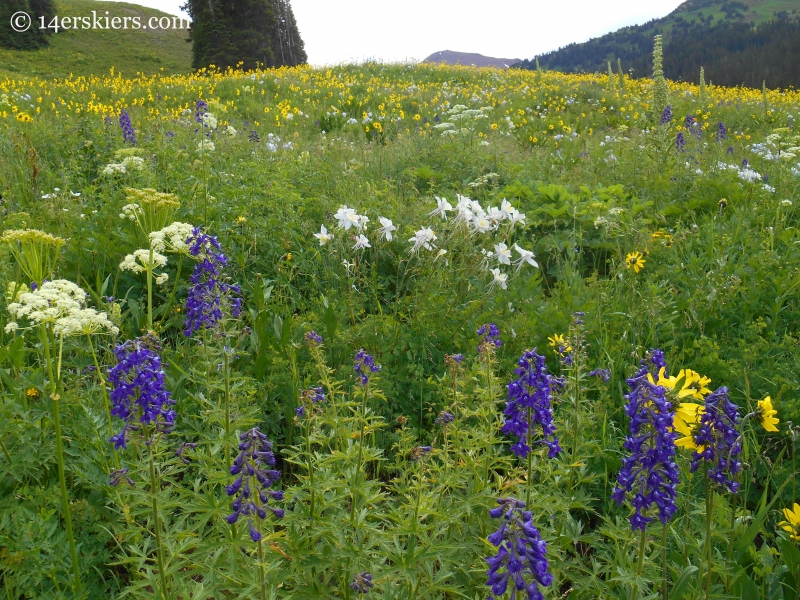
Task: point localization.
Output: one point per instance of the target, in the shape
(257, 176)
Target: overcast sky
(337, 31)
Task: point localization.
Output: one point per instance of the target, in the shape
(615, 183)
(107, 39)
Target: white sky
(353, 30)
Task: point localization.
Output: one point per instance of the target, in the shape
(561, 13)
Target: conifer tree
(660, 89)
(249, 33)
(35, 37)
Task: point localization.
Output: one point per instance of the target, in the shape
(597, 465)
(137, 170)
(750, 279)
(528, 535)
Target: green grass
(95, 52)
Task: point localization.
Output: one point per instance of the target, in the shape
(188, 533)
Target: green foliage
(718, 293)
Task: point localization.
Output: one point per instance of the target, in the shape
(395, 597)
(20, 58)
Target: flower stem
(227, 408)
(174, 289)
(150, 290)
(709, 516)
(105, 397)
(261, 570)
(365, 393)
(642, 542)
(310, 467)
(60, 456)
(664, 561)
(157, 525)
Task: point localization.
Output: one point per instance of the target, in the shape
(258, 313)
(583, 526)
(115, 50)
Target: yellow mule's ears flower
(694, 385)
(666, 382)
(792, 523)
(765, 414)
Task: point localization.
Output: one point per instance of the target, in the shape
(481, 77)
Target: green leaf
(682, 584)
(758, 522)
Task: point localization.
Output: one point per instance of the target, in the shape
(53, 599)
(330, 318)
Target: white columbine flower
(387, 227)
(361, 222)
(481, 224)
(464, 209)
(347, 218)
(323, 236)
(361, 242)
(442, 207)
(525, 257)
(502, 253)
(422, 239)
(500, 279)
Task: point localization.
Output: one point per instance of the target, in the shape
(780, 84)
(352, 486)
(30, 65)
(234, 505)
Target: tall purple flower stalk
(491, 337)
(200, 108)
(680, 142)
(256, 476)
(363, 365)
(722, 132)
(521, 555)
(666, 116)
(204, 303)
(718, 441)
(650, 475)
(137, 390)
(128, 134)
(529, 404)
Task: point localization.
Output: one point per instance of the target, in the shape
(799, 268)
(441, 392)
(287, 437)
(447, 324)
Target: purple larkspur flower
(313, 338)
(137, 390)
(649, 475)
(719, 439)
(445, 418)
(128, 134)
(521, 557)
(200, 108)
(722, 132)
(529, 404)
(666, 116)
(256, 477)
(362, 583)
(490, 335)
(209, 290)
(680, 142)
(364, 364)
(604, 374)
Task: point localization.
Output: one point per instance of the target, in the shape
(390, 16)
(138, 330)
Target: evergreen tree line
(732, 52)
(34, 37)
(250, 33)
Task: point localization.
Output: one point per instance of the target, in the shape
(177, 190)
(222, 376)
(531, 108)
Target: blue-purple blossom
(137, 389)
(529, 404)
(666, 116)
(680, 142)
(718, 441)
(650, 475)
(521, 556)
(253, 466)
(208, 287)
(445, 418)
(693, 126)
(362, 583)
(419, 452)
(128, 134)
(363, 365)
(491, 337)
(313, 338)
(604, 374)
(200, 108)
(722, 132)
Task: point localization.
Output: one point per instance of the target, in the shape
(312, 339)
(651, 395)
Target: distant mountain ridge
(737, 42)
(451, 57)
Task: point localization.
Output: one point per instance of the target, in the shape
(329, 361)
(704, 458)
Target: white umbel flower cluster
(172, 238)
(62, 304)
(128, 165)
(139, 261)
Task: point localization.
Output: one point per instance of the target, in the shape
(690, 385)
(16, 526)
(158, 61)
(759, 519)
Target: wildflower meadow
(398, 331)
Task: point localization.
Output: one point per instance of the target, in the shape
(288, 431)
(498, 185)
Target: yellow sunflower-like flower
(765, 414)
(559, 344)
(792, 523)
(694, 385)
(635, 261)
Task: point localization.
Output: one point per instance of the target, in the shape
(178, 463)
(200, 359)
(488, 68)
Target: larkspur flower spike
(208, 290)
(256, 477)
(529, 404)
(521, 556)
(490, 335)
(363, 365)
(362, 583)
(137, 389)
(649, 475)
(718, 442)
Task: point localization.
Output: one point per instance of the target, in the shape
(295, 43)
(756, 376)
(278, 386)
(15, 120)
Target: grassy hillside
(94, 52)
(736, 41)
